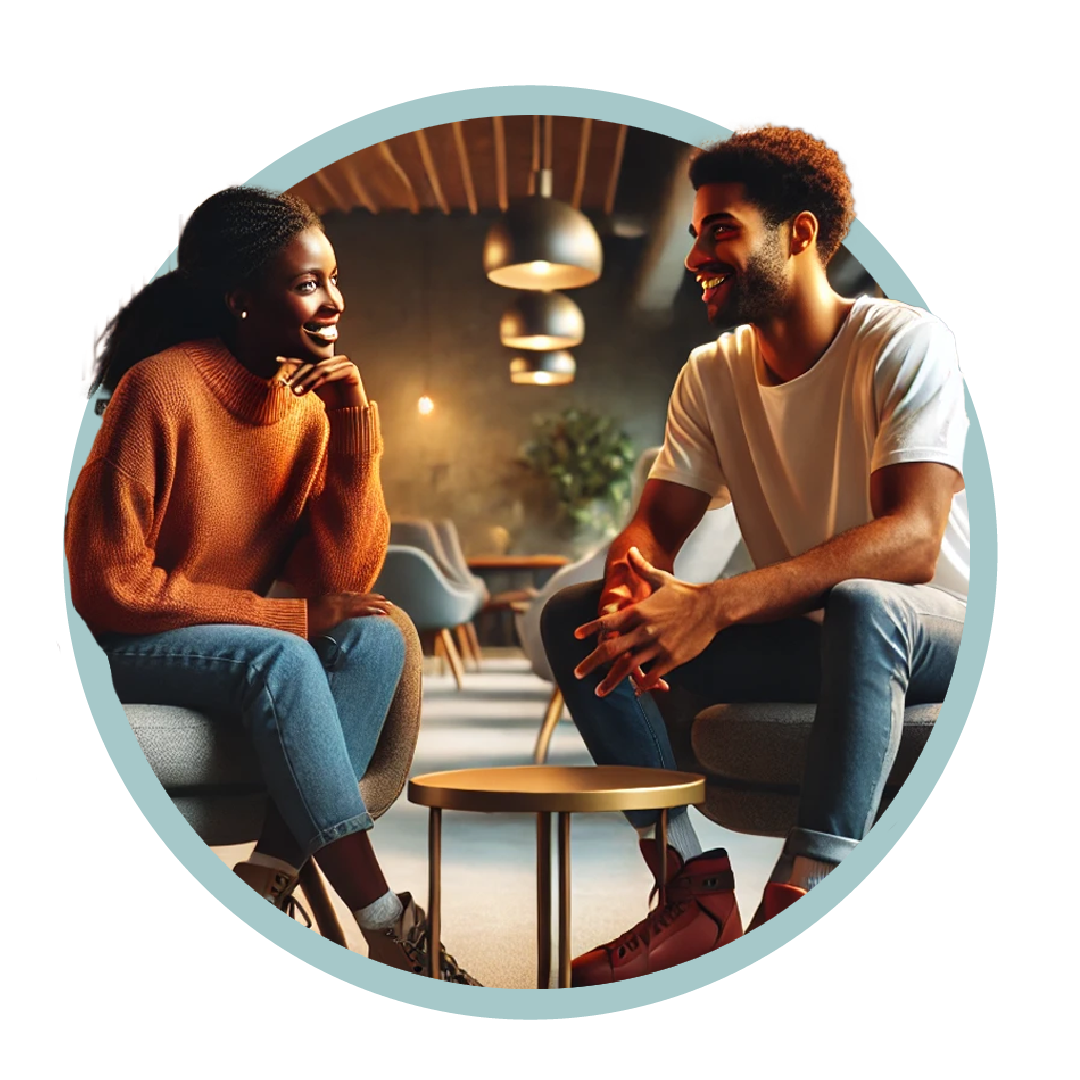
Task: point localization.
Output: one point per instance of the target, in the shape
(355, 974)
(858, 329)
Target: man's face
(739, 262)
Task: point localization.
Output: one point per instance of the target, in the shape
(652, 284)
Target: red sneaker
(700, 915)
(777, 897)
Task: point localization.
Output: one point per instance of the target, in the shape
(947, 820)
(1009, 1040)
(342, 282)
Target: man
(836, 428)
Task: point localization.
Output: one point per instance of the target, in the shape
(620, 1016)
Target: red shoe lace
(649, 928)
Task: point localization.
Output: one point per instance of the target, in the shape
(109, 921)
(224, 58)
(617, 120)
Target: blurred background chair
(439, 539)
(208, 768)
(413, 581)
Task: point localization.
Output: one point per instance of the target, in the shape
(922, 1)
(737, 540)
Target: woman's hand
(336, 381)
(325, 612)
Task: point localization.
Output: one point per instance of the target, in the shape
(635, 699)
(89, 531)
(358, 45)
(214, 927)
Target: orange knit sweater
(206, 484)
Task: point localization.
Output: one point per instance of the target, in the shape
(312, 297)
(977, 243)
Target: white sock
(806, 873)
(257, 858)
(380, 914)
(680, 836)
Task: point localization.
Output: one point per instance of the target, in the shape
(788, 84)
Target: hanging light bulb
(547, 368)
(542, 320)
(425, 406)
(540, 242)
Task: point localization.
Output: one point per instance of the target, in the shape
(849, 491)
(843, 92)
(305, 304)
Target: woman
(238, 450)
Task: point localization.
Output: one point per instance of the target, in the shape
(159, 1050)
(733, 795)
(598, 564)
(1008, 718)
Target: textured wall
(422, 318)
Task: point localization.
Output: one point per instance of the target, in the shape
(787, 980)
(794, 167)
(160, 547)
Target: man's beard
(760, 291)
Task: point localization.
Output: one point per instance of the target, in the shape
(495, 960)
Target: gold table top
(557, 789)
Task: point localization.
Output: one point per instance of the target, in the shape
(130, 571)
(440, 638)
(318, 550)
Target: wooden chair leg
(452, 656)
(470, 658)
(474, 640)
(439, 651)
(547, 727)
(322, 908)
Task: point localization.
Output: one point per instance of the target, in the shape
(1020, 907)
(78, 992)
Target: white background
(956, 956)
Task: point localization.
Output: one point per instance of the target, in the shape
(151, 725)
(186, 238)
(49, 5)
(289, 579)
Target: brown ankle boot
(274, 885)
(699, 915)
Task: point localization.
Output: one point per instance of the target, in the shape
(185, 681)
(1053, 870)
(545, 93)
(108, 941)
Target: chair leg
(322, 908)
(474, 641)
(469, 657)
(547, 728)
(439, 651)
(452, 656)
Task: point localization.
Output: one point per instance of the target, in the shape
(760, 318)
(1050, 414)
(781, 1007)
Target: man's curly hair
(784, 171)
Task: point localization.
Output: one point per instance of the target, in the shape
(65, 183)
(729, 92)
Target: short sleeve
(689, 455)
(919, 398)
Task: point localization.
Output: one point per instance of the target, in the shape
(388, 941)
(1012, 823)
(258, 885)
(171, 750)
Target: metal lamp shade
(542, 243)
(548, 368)
(542, 320)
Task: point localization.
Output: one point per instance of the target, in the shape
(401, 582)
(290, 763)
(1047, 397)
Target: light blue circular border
(536, 1004)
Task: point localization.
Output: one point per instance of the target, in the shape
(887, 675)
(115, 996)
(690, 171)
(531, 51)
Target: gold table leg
(564, 899)
(434, 890)
(543, 901)
(661, 876)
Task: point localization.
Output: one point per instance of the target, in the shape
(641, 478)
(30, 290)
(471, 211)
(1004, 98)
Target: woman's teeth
(325, 334)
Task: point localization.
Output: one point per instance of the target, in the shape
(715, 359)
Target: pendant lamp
(542, 320)
(540, 242)
(546, 368)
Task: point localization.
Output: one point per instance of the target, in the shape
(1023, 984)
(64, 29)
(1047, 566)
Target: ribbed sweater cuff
(288, 615)
(355, 431)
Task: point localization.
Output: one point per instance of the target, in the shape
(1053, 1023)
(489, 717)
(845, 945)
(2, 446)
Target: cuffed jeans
(879, 646)
(314, 710)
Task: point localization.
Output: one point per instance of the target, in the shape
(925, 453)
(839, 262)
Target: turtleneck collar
(246, 396)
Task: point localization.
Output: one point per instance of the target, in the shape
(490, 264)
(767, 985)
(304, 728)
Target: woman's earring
(243, 314)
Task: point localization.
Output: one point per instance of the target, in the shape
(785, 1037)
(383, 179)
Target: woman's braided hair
(784, 171)
(226, 242)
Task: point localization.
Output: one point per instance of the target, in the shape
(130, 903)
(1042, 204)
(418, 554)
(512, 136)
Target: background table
(506, 576)
(545, 790)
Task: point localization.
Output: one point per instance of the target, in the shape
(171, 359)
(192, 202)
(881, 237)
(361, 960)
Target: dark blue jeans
(314, 711)
(879, 646)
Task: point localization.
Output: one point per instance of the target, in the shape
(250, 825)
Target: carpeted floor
(489, 890)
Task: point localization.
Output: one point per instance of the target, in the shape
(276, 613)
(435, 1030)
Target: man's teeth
(713, 282)
(323, 333)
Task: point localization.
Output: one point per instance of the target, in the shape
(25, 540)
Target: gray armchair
(753, 757)
(208, 767)
(413, 581)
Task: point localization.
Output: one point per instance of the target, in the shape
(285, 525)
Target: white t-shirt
(796, 459)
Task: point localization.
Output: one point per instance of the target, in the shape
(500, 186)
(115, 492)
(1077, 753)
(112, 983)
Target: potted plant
(587, 460)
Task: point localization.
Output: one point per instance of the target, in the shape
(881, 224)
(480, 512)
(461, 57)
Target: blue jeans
(314, 710)
(879, 646)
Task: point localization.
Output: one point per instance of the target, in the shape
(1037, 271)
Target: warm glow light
(539, 341)
(541, 377)
(540, 267)
(425, 405)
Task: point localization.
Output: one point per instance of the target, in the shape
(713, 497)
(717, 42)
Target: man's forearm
(639, 535)
(886, 549)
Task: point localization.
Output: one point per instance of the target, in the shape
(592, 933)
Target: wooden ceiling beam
(616, 166)
(582, 162)
(500, 162)
(403, 176)
(466, 171)
(431, 170)
(332, 193)
(535, 155)
(356, 185)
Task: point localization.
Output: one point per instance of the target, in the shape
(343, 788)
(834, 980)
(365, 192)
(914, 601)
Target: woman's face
(294, 309)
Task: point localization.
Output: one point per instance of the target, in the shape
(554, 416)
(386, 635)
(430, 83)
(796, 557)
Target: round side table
(545, 790)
